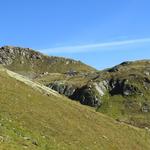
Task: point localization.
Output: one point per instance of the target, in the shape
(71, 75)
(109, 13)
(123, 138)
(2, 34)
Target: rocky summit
(43, 103)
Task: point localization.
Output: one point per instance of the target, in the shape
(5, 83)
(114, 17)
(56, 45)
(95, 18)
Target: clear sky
(101, 33)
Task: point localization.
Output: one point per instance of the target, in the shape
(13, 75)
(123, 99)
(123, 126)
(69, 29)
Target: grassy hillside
(32, 63)
(31, 120)
(77, 80)
(126, 95)
(129, 101)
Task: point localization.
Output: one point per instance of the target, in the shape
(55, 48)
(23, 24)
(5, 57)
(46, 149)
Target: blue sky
(101, 33)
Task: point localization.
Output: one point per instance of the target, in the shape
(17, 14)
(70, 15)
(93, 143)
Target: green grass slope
(34, 121)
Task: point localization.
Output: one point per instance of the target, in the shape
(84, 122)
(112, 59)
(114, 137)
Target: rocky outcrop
(86, 95)
(101, 87)
(92, 93)
(8, 54)
(27, 61)
(117, 68)
(122, 87)
(63, 88)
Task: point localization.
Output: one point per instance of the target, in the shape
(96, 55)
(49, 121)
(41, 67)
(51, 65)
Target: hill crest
(31, 62)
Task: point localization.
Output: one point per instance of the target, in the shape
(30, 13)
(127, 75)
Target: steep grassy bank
(31, 120)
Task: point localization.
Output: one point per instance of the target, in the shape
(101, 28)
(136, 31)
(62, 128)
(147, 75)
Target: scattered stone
(71, 72)
(67, 62)
(1, 139)
(105, 137)
(146, 107)
(27, 138)
(122, 87)
(34, 142)
(147, 73)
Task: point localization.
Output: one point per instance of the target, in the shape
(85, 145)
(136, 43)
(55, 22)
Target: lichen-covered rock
(122, 87)
(85, 95)
(63, 88)
(9, 53)
(101, 87)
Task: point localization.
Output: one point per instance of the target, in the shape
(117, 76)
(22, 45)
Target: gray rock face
(122, 87)
(91, 94)
(8, 54)
(87, 96)
(62, 88)
(84, 94)
(102, 87)
(21, 57)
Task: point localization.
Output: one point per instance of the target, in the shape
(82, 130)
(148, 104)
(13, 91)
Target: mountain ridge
(26, 60)
(122, 92)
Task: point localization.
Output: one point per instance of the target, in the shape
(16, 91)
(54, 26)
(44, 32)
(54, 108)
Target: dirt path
(34, 85)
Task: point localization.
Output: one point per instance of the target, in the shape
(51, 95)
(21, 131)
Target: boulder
(145, 107)
(85, 95)
(122, 87)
